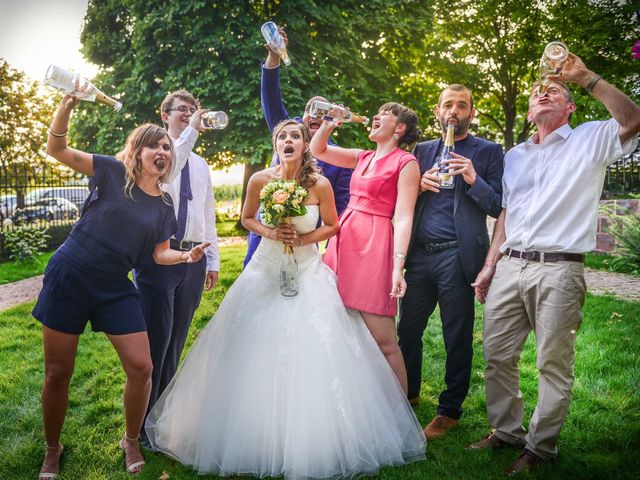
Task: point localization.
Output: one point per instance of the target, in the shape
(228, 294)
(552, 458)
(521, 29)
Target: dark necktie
(185, 196)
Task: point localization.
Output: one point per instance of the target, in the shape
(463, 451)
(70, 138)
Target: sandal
(135, 467)
(51, 475)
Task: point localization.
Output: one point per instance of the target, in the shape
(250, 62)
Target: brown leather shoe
(491, 441)
(439, 426)
(527, 461)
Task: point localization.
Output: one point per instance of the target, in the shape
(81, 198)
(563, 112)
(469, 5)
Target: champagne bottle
(320, 109)
(214, 120)
(288, 274)
(446, 179)
(553, 58)
(69, 82)
(275, 41)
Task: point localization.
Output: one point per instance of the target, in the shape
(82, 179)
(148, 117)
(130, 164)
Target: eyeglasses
(183, 109)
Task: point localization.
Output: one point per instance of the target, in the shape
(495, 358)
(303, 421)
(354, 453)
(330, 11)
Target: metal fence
(50, 196)
(47, 196)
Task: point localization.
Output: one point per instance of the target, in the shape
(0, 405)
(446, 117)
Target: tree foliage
(348, 51)
(26, 110)
(493, 47)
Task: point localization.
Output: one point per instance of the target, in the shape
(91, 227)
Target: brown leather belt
(546, 256)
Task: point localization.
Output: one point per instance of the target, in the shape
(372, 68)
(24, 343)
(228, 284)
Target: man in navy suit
(447, 250)
(275, 112)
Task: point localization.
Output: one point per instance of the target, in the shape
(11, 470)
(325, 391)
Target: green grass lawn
(14, 271)
(601, 438)
(603, 261)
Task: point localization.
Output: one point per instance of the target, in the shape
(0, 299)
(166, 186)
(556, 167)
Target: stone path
(598, 282)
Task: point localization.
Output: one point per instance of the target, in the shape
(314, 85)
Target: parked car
(76, 195)
(54, 208)
(7, 206)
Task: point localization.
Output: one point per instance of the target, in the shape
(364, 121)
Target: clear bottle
(275, 41)
(553, 58)
(289, 274)
(70, 82)
(446, 179)
(214, 120)
(320, 109)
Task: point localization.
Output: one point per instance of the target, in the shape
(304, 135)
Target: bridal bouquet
(279, 201)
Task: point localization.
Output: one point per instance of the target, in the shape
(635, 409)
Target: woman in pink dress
(369, 251)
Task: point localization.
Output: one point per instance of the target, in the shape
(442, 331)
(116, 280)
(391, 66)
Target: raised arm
(620, 106)
(332, 154)
(271, 98)
(183, 146)
(57, 142)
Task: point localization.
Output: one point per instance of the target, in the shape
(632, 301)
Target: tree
(25, 114)
(347, 51)
(493, 47)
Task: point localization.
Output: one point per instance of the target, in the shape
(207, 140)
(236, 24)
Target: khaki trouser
(546, 298)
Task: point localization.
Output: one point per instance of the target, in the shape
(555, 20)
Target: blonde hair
(146, 135)
(309, 168)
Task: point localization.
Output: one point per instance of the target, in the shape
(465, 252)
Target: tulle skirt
(293, 387)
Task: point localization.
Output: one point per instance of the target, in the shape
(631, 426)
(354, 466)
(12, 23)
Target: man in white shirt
(171, 294)
(551, 188)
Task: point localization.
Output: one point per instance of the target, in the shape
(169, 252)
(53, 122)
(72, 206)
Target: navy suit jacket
(471, 204)
(274, 112)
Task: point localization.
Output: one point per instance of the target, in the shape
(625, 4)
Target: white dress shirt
(201, 211)
(551, 190)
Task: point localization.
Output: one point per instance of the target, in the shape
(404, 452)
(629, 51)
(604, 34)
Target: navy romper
(87, 277)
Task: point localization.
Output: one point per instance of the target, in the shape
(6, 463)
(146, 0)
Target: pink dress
(361, 254)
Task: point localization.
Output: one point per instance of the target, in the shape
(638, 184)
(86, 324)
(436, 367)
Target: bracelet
(58, 135)
(592, 83)
(401, 256)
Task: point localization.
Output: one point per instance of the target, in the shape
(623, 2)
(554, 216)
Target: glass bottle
(321, 109)
(553, 58)
(69, 82)
(289, 273)
(275, 41)
(446, 179)
(214, 120)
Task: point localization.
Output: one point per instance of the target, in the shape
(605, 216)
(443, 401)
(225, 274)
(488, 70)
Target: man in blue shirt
(275, 112)
(448, 246)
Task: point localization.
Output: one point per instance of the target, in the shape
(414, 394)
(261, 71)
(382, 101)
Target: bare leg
(133, 350)
(59, 360)
(383, 330)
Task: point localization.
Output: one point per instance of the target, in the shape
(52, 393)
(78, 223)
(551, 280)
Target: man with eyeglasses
(275, 112)
(533, 278)
(171, 294)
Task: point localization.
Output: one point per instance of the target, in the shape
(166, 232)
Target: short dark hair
(408, 117)
(456, 87)
(184, 95)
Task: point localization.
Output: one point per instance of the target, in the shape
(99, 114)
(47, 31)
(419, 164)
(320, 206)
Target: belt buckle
(182, 247)
(428, 247)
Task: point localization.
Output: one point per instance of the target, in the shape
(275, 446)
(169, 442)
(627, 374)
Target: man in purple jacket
(274, 112)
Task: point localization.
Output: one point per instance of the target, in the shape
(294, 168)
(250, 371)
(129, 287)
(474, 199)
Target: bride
(294, 387)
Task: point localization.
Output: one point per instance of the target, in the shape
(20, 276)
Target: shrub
(24, 243)
(626, 230)
(57, 234)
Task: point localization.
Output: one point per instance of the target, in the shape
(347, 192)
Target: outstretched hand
(483, 281)
(196, 253)
(69, 101)
(196, 119)
(574, 71)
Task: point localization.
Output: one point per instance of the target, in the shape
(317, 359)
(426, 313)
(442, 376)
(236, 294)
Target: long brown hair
(309, 168)
(146, 135)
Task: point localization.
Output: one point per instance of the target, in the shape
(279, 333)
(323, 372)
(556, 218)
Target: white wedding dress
(292, 387)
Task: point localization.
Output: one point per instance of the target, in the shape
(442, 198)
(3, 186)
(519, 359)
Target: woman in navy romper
(125, 219)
